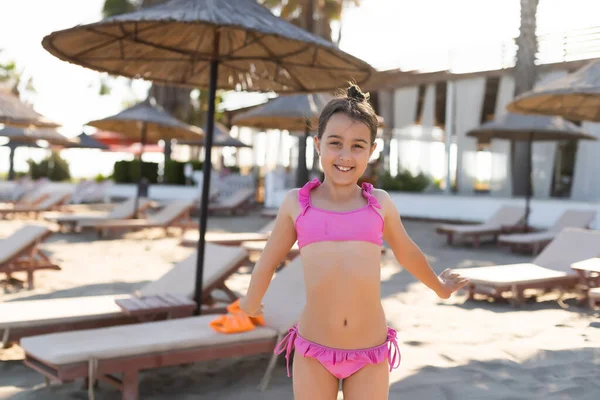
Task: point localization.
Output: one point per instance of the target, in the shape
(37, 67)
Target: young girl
(342, 331)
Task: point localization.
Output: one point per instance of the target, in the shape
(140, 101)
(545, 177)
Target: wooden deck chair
(53, 201)
(229, 238)
(549, 270)
(122, 211)
(589, 280)
(238, 202)
(103, 354)
(175, 214)
(503, 220)
(20, 319)
(535, 241)
(20, 253)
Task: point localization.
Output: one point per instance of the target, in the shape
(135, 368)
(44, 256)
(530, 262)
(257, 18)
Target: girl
(339, 226)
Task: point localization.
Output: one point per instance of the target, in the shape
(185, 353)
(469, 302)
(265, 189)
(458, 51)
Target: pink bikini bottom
(340, 363)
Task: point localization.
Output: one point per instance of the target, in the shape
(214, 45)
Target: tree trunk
(525, 76)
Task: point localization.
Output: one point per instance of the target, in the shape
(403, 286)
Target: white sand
(449, 350)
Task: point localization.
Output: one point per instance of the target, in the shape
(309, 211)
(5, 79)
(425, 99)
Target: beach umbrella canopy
(144, 122)
(575, 96)
(225, 44)
(88, 142)
(529, 128)
(298, 113)
(112, 138)
(20, 136)
(15, 113)
(159, 124)
(221, 139)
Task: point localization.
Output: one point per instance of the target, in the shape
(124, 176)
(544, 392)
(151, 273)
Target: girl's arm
(410, 256)
(281, 240)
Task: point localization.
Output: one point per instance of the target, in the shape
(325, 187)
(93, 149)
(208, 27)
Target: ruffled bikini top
(314, 224)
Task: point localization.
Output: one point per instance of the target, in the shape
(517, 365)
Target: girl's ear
(317, 143)
(373, 147)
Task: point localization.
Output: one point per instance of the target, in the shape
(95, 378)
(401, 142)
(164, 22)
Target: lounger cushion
(471, 228)
(506, 275)
(182, 278)
(129, 340)
(19, 240)
(528, 238)
(594, 293)
(21, 314)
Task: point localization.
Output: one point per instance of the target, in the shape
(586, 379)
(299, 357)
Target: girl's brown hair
(354, 104)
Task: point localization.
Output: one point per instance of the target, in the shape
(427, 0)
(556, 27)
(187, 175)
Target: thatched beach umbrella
(221, 138)
(295, 113)
(15, 113)
(147, 122)
(529, 128)
(87, 142)
(575, 96)
(226, 44)
(29, 136)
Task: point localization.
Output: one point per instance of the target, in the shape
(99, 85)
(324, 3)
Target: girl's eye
(334, 143)
(358, 146)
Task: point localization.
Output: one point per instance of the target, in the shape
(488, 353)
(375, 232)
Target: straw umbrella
(147, 122)
(575, 96)
(295, 113)
(30, 136)
(529, 128)
(226, 44)
(87, 142)
(221, 139)
(14, 113)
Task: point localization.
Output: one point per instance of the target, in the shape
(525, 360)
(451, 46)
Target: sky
(388, 34)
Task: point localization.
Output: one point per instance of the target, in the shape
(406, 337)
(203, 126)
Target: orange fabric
(235, 320)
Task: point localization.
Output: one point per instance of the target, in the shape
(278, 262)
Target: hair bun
(354, 93)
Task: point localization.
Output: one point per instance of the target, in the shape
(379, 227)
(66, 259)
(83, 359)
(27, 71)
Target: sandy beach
(450, 349)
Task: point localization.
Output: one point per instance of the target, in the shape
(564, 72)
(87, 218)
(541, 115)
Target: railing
(577, 44)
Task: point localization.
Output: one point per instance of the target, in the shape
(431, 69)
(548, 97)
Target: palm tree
(525, 76)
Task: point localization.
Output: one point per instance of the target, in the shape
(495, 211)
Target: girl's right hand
(249, 309)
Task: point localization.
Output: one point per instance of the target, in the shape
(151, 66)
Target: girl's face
(345, 149)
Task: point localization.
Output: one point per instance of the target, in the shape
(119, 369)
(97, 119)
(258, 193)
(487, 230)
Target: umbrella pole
(140, 169)
(210, 124)
(11, 163)
(529, 181)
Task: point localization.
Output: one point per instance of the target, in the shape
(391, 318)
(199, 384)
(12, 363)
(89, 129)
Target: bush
(54, 168)
(174, 173)
(405, 182)
(127, 171)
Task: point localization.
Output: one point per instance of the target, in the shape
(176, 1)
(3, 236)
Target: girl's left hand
(450, 283)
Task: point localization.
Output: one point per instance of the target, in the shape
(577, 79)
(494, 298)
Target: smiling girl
(340, 227)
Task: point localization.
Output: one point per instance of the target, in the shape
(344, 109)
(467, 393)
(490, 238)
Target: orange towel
(235, 320)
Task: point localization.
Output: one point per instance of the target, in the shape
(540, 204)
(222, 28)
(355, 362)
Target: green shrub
(127, 171)
(405, 182)
(174, 173)
(54, 168)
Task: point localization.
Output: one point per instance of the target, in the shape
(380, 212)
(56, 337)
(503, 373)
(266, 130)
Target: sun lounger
(236, 203)
(121, 211)
(549, 270)
(20, 319)
(100, 354)
(503, 220)
(535, 241)
(229, 238)
(175, 214)
(20, 253)
(53, 201)
(589, 279)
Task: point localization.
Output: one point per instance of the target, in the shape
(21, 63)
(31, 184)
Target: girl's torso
(341, 254)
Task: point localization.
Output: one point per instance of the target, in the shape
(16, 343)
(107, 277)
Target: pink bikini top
(314, 224)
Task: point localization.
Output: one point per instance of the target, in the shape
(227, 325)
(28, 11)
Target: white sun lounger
(100, 354)
(535, 241)
(19, 319)
(505, 218)
(549, 270)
